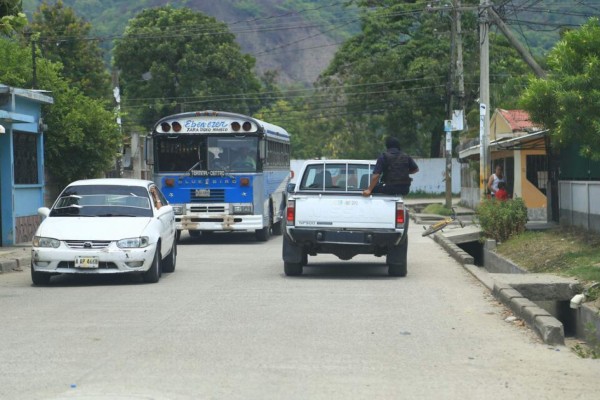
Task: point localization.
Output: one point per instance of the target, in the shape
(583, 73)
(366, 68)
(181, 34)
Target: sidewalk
(14, 258)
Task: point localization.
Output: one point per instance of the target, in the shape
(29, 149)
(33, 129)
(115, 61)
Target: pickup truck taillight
(291, 212)
(399, 215)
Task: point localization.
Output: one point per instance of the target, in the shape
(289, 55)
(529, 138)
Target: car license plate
(202, 192)
(86, 262)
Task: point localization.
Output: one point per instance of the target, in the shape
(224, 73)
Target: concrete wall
(429, 179)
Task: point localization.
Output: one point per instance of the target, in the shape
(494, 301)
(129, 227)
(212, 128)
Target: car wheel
(40, 278)
(153, 274)
(292, 269)
(169, 262)
(397, 260)
(177, 234)
(194, 233)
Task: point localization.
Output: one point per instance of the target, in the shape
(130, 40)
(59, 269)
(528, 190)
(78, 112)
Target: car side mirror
(164, 210)
(44, 211)
(291, 187)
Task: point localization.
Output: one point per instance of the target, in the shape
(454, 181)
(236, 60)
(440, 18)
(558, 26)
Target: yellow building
(520, 148)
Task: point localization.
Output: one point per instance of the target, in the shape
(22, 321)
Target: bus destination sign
(203, 126)
(206, 173)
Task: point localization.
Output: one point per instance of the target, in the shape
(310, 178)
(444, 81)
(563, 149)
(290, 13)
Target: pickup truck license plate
(202, 192)
(86, 262)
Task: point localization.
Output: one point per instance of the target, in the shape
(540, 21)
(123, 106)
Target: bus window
(180, 155)
(234, 154)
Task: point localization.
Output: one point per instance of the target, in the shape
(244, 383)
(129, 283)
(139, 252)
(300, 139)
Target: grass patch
(564, 251)
(438, 209)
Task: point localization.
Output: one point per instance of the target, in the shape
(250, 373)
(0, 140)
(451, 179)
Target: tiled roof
(517, 119)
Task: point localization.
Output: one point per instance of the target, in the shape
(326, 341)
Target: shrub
(500, 220)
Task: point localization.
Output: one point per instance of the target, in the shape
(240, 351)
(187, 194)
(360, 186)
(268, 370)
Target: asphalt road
(229, 325)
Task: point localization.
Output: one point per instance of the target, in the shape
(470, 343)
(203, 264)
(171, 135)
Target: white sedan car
(105, 226)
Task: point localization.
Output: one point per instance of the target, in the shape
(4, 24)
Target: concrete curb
(456, 252)
(14, 264)
(548, 328)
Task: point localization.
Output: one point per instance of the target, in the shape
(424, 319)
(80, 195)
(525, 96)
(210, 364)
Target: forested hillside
(296, 38)
(341, 77)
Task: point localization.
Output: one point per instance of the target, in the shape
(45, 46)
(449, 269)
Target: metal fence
(577, 207)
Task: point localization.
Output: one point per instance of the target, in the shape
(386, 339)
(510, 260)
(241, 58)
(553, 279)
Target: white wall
(429, 179)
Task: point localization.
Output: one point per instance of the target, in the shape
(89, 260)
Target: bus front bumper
(219, 222)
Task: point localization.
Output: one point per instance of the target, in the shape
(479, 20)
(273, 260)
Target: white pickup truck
(327, 214)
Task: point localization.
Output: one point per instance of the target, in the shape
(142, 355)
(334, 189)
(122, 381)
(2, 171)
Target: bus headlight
(178, 209)
(243, 209)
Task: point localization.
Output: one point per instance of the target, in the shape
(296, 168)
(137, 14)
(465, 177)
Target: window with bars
(26, 159)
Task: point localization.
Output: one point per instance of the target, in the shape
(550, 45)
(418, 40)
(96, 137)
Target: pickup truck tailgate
(345, 211)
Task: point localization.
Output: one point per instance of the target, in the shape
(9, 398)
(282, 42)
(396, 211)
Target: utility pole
(450, 110)
(33, 62)
(527, 57)
(484, 96)
(456, 74)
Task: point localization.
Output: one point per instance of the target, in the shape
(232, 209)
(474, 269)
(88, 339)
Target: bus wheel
(194, 233)
(262, 235)
(277, 228)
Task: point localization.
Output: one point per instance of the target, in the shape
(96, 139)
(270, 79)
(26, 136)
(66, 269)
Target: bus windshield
(188, 153)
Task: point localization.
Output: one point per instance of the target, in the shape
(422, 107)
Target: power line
(226, 97)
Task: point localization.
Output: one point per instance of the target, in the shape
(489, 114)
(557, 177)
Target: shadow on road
(344, 270)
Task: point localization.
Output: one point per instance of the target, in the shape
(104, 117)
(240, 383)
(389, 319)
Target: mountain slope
(295, 38)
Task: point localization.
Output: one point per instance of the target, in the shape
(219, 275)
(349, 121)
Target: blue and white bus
(221, 171)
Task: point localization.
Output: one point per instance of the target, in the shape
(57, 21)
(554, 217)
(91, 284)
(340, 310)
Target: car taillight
(399, 215)
(291, 212)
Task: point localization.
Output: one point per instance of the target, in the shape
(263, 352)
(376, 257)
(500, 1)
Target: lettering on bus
(193, 126)
(206, 173)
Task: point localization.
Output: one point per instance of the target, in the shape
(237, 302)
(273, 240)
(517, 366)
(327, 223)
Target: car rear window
(336, 177)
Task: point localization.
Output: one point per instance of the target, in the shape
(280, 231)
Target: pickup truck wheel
(292, 269)
(397, 260)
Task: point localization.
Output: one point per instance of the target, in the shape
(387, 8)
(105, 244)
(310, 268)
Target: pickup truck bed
(327, 214)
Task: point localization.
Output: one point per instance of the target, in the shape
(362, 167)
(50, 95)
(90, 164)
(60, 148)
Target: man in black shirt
(394, 167)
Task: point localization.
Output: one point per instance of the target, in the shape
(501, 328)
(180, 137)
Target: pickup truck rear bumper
(341, 242)
(346, 237)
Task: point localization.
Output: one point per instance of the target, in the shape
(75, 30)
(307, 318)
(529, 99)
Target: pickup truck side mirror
(291, 187)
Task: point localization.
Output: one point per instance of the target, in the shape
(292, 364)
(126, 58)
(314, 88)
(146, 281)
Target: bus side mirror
(149, 154)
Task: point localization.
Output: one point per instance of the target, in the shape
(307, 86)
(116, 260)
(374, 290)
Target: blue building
(21, 163)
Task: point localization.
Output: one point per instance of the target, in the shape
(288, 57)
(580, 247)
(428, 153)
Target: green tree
(11, 17)
(568, 100)
(394, 76)
(173, 60)
(64, 37)
(82, 138)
